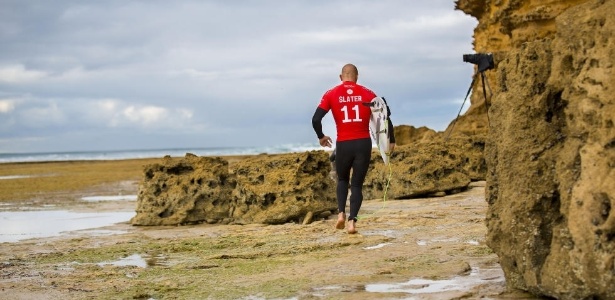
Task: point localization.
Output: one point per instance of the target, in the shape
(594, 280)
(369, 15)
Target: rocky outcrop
(428, 168)
(551, 144)
(275, 189)
(270, 189)
(296, 187)
(406, 135)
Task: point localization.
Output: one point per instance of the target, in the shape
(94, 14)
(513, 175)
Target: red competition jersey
(346, 104)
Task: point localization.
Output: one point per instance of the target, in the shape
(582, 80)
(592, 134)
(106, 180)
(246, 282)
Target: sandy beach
(427, 248)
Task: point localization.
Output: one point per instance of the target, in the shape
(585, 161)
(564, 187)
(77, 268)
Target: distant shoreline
(79, 161)
(153, 153)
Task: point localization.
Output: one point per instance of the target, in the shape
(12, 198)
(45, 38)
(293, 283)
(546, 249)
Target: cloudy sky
(116, 75)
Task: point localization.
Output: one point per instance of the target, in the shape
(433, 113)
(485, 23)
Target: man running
(348, 102)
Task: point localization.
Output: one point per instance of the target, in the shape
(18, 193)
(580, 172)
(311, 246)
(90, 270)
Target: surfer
(353, 144)
(391, 140)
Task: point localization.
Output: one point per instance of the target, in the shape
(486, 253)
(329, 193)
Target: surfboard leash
(386, 187)
(384, 197)
(388, 162)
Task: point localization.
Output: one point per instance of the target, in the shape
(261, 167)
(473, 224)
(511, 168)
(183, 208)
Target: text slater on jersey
(345, 99)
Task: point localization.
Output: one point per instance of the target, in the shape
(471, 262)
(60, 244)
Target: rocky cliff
(550, 148)
(503, 25)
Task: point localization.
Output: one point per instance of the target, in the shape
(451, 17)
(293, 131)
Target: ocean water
(153, 153)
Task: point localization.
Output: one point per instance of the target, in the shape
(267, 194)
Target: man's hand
(391, 148)
(325, 141)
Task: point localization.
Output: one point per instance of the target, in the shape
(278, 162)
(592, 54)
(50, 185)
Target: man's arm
(317, 121)
(391, 129)
(387, 105)
(391, 132)
(324, 140)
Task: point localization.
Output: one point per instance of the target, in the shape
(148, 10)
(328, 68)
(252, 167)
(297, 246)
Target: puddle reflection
(138, 260)
(424, 286)
(15, 177)
(377, 246)
(133, 260)
(21, 225)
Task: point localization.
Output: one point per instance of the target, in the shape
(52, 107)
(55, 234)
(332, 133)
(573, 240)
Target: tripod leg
(464, 102)
(487, 104)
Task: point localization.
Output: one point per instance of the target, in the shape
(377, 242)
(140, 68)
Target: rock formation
(426, 168)
(551, 143)
(406, 134)
(262, 189)
(296, 187)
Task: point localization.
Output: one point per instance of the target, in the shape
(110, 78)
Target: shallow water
(14, 177)
(423, 286)
(135, 260)
(377, 246)
(20, 225)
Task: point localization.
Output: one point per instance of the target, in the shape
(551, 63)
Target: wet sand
(430, 248)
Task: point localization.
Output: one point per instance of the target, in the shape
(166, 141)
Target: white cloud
(146, 115)
(7, 105)
(107, 105)
(74, 73)
(116, 113)
(19, 74)
(48, 115)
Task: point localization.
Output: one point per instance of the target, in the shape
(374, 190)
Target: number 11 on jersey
(355, 108)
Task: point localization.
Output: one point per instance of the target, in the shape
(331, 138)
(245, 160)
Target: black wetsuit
(355, 155)
(350, 155)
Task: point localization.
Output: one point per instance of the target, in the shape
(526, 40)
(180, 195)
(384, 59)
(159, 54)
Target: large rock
(276, 189)
(427, 168)
(407, 134)
(551, 145)
(193, 189)
(267, 189)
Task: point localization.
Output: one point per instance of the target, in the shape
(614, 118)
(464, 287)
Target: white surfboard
(379, 127)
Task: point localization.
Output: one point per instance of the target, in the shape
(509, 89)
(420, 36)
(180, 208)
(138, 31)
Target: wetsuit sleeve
(387, 105)
(317, 121)
(391, 129)
(391, 132)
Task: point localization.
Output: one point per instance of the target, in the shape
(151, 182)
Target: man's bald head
(349, 73)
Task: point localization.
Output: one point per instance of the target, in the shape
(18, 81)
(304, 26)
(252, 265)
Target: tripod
(484, 82)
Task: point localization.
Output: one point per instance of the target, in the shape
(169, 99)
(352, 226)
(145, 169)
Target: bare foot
(351, 228)
(341, 219)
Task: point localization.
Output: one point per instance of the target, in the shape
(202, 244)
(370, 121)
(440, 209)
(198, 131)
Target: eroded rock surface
(274, 189)
(550, 149)
(261, 189)
(427, 168)
(407, 135)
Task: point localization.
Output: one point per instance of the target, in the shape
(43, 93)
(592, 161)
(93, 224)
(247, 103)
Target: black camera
(484, 61)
